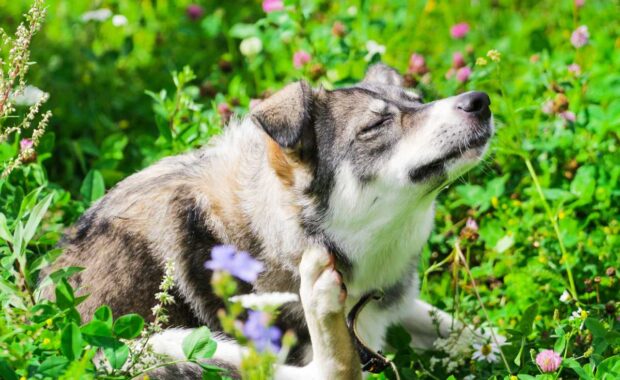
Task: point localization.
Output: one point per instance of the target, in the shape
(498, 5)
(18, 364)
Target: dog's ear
(383, 74)
(286, 115)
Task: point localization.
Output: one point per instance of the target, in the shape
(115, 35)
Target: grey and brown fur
(353, 171)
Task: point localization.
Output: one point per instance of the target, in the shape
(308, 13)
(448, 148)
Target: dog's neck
(376, 232)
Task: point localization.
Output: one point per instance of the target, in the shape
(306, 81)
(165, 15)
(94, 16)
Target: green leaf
(525, 325)
(97, 333)
(93, 186)
(609, 369)
(71, 341)
(36, 215)
(128, 326)
(596, 328)
(104, 314)
(398, 337)
(560, 344)
(575, 366)
(5, 233)
(64, 294)
(6, 372)
(198, 344)
(117, 353)
(53, 366)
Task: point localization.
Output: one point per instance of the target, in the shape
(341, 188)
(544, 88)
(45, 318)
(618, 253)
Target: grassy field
(527, 244)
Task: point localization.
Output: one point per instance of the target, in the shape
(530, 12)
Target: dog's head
(379, 132)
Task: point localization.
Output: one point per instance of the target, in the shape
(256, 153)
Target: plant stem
(458, 251)
(556, 228)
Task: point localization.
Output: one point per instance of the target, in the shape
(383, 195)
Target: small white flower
(263, 300)
(469, 377)
(488, 352)
(97, 15)
(565, 297)
(30, 96)
(251, 46)
(119, 20)
(373, 48)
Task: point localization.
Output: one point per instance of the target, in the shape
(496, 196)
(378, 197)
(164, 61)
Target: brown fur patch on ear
(285, 114)
(384, 74)
(280, 163)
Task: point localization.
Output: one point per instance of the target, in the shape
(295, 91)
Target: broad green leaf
(128, 326)
(609, 369)
(6, 372)
(198, 344)
(36, 215)
(93, 186)
(64, 294)
(596, 328)
(97, 333)
(53, 366)
(575, 366)
(104, 314)
(525, 325)
(71, 341)
(117, 353)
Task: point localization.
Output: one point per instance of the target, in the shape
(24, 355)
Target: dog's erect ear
(286, 115)
(383, 74)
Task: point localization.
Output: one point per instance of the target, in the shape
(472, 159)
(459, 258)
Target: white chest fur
(381, 228)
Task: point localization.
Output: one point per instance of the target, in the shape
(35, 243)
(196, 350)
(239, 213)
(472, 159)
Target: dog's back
(178, 209)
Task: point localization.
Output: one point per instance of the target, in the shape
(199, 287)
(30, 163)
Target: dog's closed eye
(375, 127)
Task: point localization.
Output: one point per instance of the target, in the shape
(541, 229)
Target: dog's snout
(475, 103)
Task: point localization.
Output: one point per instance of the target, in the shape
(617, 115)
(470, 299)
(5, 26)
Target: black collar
(371, 361)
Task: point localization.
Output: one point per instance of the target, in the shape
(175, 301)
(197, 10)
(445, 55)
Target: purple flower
(579, 3)
(257, 329)
(548, 360)
(239, 264)
(300, 58)
(580, 37)
(574, 69)
(272, 5)
(417, 64)
(26, 144)
(568, 116)
(459, 30)
(194, 12)
(463, 74)
(458, 60)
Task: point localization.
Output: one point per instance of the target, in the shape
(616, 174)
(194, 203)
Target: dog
(333, 190)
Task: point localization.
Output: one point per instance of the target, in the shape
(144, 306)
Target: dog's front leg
(322, 297)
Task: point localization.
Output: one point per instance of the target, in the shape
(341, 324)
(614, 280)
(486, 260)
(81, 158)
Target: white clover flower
(251, 46)
(565, 297)
(119, 20)
(97, 15)
(263, 300)
(30, 96)
(373, 48)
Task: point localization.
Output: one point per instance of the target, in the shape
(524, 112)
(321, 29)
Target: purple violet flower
(239, 264)
(257, 329)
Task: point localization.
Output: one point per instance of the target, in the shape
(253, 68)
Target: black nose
(474, 102)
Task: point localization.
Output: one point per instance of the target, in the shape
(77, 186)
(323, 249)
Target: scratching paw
(322, 290)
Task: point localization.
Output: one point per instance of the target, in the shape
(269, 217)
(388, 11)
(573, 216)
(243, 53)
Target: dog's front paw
(322, 291)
